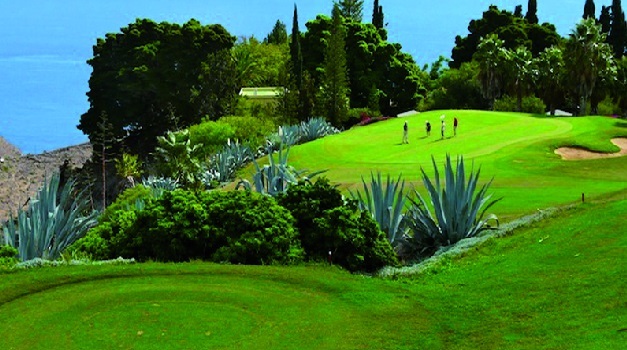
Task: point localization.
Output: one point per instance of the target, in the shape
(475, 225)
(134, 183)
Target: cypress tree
(352, 9)
(532, 12)
(296, 54)
(618, 30)
(605, 19)
(518, 11)
(589, 10)
(375, 12)
(335, 80)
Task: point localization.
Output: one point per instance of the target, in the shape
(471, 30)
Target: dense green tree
(378, 18)
(521, 73)
(518, 11)
(278, 35)
(492, 58)
(259, 64)
(619, 91)
(335, 81)
(458, 89)
(605, 19)
(532, 12)
(551, 74)
(514, 31)
(352, 9)
(589, 60)
(617, 37)
(153, 77)
(589, 9)
(296, 55)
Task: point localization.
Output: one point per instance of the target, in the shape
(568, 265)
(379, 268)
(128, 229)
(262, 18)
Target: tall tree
(589, 10)
(375, 12)
(589, 60)
(532, 12)
(154, 77)
(278, 35)
(378, 19)
(335, 80)
(492, 57)
(352, 9)
(518, 11)
(296, 54)
(521, 71)
(605, 19)
(617, 38)
(551, 73)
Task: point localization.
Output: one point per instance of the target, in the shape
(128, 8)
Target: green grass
(516, 149)
(559, 284)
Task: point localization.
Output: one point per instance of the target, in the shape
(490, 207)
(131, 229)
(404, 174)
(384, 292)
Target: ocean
(44, 45)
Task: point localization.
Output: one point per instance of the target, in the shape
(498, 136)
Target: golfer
(455, 126)
(443, 128)
(405, 133)
(428, 128)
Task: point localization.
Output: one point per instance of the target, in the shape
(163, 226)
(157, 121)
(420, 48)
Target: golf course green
(555, 284)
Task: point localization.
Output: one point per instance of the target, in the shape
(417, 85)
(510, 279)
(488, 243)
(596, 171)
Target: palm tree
(491, 56)
(590, 58)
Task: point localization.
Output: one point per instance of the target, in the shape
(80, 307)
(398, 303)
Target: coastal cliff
(22, 174)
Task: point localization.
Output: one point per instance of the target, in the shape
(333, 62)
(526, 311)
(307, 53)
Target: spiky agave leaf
(458, 208)
(384, 202)
(49, 226)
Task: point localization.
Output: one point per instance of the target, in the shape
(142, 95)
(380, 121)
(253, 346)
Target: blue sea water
(44, 45)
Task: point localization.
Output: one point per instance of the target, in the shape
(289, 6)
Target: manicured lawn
(516, 149)
(559, 284)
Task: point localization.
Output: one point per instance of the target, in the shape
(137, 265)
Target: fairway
(559, 284)
(516, 149)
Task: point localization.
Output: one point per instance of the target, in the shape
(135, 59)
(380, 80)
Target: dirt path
(571, 153)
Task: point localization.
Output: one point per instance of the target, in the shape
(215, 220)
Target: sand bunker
(571, 153)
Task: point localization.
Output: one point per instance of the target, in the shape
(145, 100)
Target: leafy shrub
(210, 136)
(357, 115)
(308, 201)
(251, 130)
(234, 226)
(108, 239)
(354, 239)
(458, 210)
(326, 224)
(530, 104)
(8, 257)
(177, 158)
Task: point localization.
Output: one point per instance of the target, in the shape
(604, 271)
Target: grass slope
(516, 149)
(559, 284)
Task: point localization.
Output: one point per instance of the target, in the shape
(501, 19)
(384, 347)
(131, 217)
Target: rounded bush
(231, 226)
(530, 104)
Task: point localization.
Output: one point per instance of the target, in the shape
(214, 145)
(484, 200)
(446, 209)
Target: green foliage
(385, 203)
(278, 35)
(158, 185)
(249, 129)
(308, 201)
(491, 56)
(93, 245)
(223, 165)
(351, 9)
(335, 90)
(617, 37)
(551, 74)
(457, 89)
(128, 167)
(178, 158)
(326, 223)
(127, 200)
(354, 239)
(589, 60)
(210, 137)
(458, 210)
(234, 226)
(152, 77)
(529, 104)
(7, 251)
(55, 219)
(277, 176)
(514, 31)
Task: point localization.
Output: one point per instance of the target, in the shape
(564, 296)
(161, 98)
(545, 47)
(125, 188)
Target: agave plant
(385, 202)
(275, 177)
(315, 128)
(458, 209)
(158, 185)
(52, 222)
